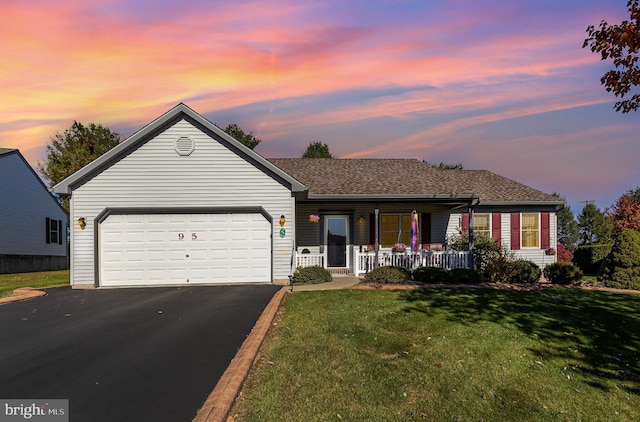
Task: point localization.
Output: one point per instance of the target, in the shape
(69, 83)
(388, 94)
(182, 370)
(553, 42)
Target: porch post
(471, 239)
(376, 235)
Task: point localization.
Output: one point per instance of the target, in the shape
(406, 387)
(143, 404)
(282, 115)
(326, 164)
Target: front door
(337, 239)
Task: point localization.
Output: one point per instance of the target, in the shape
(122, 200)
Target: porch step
(339, 271)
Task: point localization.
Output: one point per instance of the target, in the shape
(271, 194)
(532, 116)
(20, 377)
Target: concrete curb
(218, 405)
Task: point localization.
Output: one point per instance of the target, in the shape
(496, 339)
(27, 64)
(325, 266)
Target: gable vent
(185, 145)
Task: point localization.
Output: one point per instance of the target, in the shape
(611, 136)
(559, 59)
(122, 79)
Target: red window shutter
(465, 222)
(372, 229)
(515, 231)
(425, 231)
(496, 222)
(545, 230)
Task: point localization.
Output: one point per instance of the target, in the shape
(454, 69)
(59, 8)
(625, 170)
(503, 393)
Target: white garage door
(163, 249)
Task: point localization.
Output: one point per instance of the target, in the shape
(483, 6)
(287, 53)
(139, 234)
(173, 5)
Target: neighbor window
(481, 224)
(394, 227)
(53, 231)
(530, 229)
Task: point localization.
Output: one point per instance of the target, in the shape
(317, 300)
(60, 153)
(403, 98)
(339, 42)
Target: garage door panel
(166, 249)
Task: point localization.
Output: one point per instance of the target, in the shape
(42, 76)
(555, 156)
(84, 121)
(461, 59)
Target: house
(33, 225)
(349, 194)
(181, 202)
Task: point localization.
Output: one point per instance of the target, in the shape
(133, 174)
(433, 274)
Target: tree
(619, 43)
(317, 149)
(594, 226)
(73, 149)
(247, 139)
(444, 166)
(625, 213)
(567, 225)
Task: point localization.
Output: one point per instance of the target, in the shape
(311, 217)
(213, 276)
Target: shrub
(525, 271)
(464, 276)
(563, 273)
(312, 275)
(484, 249)
(622, 268)
(387, 275)
(500, 269)
(564, 254)
(591, 257)
(432, 275)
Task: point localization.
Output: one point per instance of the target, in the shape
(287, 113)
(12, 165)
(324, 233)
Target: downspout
(376, 235)
(471, 230)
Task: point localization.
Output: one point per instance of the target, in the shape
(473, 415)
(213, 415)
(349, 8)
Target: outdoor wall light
(282, 220)
(82, 223)
(361, 220)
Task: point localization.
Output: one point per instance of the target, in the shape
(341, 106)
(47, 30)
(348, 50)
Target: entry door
(337, 239)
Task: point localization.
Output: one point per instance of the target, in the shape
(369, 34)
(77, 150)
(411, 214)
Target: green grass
(9, 282)
(454, 355)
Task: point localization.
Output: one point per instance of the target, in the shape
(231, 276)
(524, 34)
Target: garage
(141, 249)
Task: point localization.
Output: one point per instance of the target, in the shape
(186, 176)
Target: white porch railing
(364, 261)
(447, 259)
(309, 259)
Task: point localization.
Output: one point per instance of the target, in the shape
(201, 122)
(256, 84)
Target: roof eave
(390, 197)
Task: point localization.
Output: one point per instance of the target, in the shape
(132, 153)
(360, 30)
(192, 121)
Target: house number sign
(194, 236)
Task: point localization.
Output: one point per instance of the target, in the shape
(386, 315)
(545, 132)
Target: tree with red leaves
(625, 213)
(620, 43)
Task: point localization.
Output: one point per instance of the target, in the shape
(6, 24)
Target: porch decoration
(314, 218)
(400, 247)
(414, 232)
(550, 251)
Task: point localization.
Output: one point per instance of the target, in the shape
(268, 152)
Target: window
(54, 231)
(530, 230)
(394, 227)
(481, 224)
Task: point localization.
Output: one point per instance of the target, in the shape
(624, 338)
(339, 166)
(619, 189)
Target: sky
(499, 85)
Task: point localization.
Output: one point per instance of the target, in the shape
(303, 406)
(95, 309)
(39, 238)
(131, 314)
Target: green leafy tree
(594, 226)
(317, 149)
(247, 139)
(444, 166)
(73, 149)
(567, 226)
(620, 43)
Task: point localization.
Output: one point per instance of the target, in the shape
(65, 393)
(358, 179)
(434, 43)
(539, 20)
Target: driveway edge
(218, 405)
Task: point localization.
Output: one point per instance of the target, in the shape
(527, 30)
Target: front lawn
(10, 282)
(448, 354)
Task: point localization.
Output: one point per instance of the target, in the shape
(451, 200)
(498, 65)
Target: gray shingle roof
(404, 177)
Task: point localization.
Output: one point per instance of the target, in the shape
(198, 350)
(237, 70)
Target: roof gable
(179, 112)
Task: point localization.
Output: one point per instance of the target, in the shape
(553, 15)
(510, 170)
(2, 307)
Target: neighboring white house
(180, 202)
(33, 225)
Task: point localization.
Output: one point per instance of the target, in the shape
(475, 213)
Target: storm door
(337, 239)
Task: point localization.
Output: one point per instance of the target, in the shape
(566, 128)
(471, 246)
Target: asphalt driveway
(150, 354)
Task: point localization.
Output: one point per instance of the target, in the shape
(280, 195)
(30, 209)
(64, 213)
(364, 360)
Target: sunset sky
(500, 85)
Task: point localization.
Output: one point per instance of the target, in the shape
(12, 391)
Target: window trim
(538, 230)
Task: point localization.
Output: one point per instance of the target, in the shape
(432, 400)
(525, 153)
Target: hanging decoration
(414, 232)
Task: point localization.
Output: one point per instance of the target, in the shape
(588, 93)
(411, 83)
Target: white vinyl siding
(25, 204)
(212, 177)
